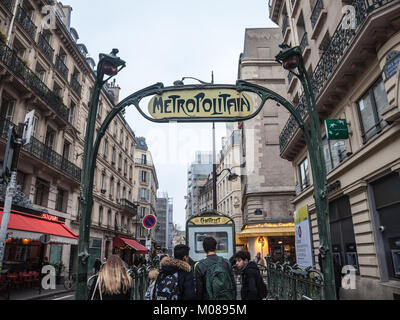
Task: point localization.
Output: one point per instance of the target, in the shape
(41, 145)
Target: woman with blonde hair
(112, 282)
(153, 274)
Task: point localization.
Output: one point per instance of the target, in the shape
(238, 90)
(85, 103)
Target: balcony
(129, 207)
(10, 58)
(45, 47)
(76, 86)
(8, 4)
(341, 42)
(44, 153)
(26, 23)
(61, 68)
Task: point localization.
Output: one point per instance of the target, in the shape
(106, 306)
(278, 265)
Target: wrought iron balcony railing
(340, 42)
(26, 22)
(10, 58)
(61, 67)
(44, 153)
(45, 47)
(319, 6)
(76, 86)
(8, 4)
(129, 206)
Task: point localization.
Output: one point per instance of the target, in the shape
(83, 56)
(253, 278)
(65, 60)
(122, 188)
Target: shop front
(33, 239)
(274, 239)
(129, 250)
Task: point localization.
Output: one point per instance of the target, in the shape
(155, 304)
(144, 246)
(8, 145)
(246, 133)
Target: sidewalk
(32, 293)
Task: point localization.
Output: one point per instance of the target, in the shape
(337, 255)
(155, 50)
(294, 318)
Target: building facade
(44, 68)
(164, 228)
(267, 182)
(355, 77)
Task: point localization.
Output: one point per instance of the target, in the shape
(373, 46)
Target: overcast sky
(163, 41)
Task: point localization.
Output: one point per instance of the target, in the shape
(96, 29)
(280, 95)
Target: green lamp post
(110, 65)
(292, 59)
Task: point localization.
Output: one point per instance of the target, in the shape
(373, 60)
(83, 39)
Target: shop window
(342, 233)
(387, 204)
(370, 107)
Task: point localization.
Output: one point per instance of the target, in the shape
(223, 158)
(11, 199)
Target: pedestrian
(153, 274)
(214, 278)
(259, 260)
(112, 282)
(253, 285)
(176, 280)
(97, 265)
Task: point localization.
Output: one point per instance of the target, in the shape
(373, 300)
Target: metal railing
(61, 67)
(76, 86)
(8, 4)
(44, 153)
(129, 206)
(340, 42)
(26, 22)
(45, 47)
(18, 67)
(285, 282)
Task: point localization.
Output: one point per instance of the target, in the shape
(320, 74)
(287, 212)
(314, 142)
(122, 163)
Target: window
(109, 218)
(7, 109)
(42, 192)
(72, 113)
(334, 153)
(125, 167)
(143, 176)
(144, 159)
(34, 126)
(99, 111)
(144, 194)
(130, 172)
(115, 129)
(304, 174)
(103, 182)
(100, 216)
(113, 155)
(120, 161)
(121, 137)
(60, 200)
(112, 187)
(370, 107)
(105, 150)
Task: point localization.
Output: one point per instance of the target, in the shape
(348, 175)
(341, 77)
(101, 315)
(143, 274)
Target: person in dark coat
(97, 265)
(337, 269)
(252, 281)
(180, 264)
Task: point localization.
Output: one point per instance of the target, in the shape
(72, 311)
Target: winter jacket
(185, 276)
(251, 282)
(200, 273)
(104, 296)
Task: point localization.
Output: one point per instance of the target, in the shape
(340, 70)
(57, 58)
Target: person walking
(153, 274)
(97, 265)
(175, 281)
(214, 278)
(259, 260)
(253, 286)
(112, 282)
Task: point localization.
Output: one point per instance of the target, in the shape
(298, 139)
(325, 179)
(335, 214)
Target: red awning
(119, 242)
(32, 227)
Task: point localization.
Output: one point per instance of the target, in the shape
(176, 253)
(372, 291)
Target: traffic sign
(149, 221)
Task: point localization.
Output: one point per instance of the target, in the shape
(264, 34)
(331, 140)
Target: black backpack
(166, 286)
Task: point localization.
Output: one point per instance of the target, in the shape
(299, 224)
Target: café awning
(120, 242)
(26, 226)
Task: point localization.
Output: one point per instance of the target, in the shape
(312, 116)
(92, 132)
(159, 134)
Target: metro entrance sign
(206, 103)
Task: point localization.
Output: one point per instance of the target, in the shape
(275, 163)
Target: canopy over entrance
(120, 242)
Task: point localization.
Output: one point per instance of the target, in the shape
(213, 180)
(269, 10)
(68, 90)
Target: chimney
(115, 89)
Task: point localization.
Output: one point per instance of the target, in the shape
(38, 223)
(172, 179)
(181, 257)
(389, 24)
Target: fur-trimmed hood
(170, 263)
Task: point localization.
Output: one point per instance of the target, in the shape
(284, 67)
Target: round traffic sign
(149, 221)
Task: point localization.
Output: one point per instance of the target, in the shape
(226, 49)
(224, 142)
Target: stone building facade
(355, 76)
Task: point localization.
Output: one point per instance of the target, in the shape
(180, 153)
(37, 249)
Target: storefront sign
(336, 129)
(49, 217)
(210, 220)
(303, 238)
(207, 103)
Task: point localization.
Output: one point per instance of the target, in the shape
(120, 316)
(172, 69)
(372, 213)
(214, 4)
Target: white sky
(163, 41)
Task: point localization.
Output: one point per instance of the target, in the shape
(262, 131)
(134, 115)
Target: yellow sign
(207, 103)
(210, 220)
(301, 215)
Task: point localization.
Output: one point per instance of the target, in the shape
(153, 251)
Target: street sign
(149, 221)
(336, 129)
(201, 103)
(27, 134)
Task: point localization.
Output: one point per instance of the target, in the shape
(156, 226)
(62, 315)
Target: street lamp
(292, 59)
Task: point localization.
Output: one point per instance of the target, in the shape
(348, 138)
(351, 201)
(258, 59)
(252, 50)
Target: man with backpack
(175, 280)
(214, 276)
(253, 285)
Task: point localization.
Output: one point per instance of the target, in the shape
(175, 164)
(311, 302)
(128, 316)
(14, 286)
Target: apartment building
(266, 181)
(352, 57)
(164, 228)
(46, 69)
(146, 184)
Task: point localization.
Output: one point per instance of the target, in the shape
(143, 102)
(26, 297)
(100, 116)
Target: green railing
(140, 283)
(285, 282)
